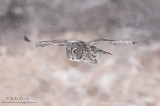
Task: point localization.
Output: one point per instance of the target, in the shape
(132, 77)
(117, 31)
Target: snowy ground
(46, 76)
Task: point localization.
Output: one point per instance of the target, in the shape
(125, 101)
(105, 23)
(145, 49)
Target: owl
(81, 51)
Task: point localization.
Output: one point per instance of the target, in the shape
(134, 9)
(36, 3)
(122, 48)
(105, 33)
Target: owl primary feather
(81, 51)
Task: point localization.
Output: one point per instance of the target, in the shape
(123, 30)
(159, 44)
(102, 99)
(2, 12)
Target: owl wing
(101, 52)
(45, 43)
(115, 42)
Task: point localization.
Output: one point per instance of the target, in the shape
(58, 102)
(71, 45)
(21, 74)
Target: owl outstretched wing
(101, 52)
(115, 42)
(45, 43)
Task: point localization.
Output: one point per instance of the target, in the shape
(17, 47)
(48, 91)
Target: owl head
(74, 51)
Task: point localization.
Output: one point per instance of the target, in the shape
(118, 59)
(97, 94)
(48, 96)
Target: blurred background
(130, 77)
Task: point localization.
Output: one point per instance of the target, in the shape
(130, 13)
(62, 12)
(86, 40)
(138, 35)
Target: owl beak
(71, 57)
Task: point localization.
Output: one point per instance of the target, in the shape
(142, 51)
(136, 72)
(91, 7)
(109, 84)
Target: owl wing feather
(115, 42)
(101, 52)
(45, 43)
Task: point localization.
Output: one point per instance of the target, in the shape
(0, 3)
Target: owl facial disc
(74, 51)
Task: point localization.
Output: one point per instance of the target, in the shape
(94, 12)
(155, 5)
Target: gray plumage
(81, 51)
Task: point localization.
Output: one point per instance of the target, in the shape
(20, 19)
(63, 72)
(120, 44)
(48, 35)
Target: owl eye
(69, 51)
(75, 51)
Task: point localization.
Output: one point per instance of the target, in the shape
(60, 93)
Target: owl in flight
(81, 51)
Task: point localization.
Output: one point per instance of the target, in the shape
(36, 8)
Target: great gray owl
(81, 51)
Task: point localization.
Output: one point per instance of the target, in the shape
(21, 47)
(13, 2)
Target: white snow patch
(106, 80)
(61, 75)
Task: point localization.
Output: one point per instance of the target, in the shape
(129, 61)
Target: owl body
(81, 51)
